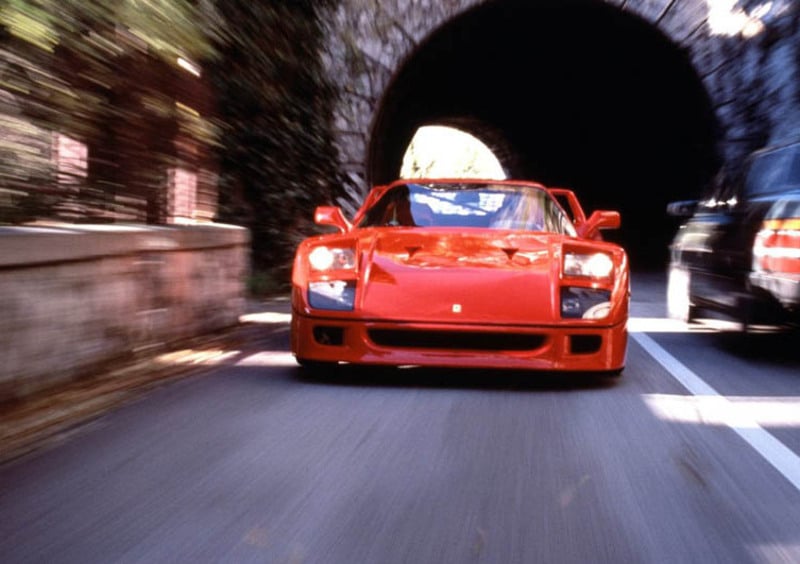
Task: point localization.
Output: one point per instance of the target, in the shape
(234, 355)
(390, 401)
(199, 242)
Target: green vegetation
(106, 76)
(277, 159)
(233, 90)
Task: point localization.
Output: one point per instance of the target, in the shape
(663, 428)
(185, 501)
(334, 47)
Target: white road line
(776, 453)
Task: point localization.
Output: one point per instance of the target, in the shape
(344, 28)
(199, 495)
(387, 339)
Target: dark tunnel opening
(583, 95)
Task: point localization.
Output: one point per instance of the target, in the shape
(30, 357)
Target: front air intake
(584, 344)
(455, 340)
(328, 335)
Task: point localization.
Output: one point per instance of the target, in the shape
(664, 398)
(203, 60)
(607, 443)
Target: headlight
(325, 258)
(334, 295)
(585, 303)
(597, 265)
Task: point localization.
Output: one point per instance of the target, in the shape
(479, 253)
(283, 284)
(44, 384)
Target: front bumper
(568, 347)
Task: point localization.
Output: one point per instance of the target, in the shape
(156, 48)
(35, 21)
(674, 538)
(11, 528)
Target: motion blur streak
(726, 18)
(266, 317)
(663, 325)
(773, 451)
(195, 358)
(777, 552)
(269, 358)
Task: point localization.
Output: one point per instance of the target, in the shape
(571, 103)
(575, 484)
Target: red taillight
(777, 246)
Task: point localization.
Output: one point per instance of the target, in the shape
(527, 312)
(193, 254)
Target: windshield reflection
(488, 206)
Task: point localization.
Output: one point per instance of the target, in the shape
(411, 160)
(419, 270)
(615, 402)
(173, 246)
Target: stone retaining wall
(75, 298)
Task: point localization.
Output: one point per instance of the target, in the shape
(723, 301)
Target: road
(691, 456)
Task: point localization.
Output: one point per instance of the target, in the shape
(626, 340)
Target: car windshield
(491, 206)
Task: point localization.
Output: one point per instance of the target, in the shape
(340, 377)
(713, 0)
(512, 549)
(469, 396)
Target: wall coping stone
(55, 243)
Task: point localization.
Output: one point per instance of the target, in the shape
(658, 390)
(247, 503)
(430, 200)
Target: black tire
(317, 368)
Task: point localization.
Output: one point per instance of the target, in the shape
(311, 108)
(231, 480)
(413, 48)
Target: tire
(316, 368)
(679, 298)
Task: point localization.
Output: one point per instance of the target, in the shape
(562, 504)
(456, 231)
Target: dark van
(738, 252)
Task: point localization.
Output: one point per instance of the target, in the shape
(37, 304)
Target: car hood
(448, 276)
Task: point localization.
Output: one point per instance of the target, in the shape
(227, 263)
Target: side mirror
(684, 208)
(332, 215)
(600, 219)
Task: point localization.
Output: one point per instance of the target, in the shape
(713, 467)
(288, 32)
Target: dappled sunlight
(667, 325)
(276, 314)
(744, 415)
(269, 358)
(664, 325)
(728, 18)
(776, 552)
(738, 412)
(266, 317)
(192, 357)
(218, 355)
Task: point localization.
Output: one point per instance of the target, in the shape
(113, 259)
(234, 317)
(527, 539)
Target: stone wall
(752, 78)
(364, 48)
(746, 54)
(74, 299)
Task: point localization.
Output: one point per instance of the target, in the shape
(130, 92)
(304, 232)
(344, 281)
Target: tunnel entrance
(572, 93)
(439, 151)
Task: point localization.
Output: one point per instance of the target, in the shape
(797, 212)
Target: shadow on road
(455, 378)
(781, 348)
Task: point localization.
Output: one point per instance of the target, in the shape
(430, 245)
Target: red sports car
(462, 272)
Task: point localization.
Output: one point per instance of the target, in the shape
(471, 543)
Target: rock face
(744, 54)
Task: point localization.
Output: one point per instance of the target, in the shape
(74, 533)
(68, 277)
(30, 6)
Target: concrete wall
(75, 298)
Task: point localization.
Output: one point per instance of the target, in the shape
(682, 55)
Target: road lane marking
(771, 449)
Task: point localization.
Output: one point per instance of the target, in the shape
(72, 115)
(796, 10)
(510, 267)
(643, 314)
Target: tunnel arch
(574, 93)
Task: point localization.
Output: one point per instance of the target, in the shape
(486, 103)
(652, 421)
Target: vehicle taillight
(777, 246)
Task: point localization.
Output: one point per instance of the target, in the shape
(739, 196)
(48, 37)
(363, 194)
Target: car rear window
(775, 171)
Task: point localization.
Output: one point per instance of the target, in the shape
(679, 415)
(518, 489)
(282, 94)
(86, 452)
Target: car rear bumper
(546, 348)
(784, 287)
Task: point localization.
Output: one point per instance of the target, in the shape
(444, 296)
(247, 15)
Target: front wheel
(679, 299)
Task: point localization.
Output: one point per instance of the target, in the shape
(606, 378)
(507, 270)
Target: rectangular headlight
(595, 265)
(332, 258)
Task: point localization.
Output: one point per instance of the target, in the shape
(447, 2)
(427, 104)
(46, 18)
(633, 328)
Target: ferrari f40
(504, 274)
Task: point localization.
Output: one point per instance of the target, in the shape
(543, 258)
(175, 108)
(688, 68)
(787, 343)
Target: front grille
(455, 340)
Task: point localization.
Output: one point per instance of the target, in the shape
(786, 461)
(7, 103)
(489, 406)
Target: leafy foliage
(103, 73)
(107, 74)
(277, 157)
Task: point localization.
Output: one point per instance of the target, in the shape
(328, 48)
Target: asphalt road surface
(691, 456)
